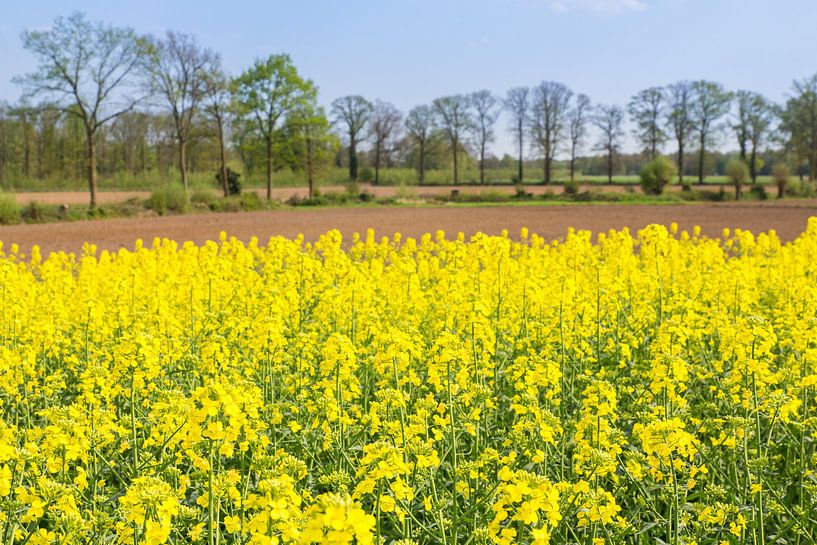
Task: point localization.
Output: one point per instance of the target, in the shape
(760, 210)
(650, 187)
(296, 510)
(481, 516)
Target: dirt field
(788, 218)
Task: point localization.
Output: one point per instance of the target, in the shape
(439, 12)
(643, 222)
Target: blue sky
(409, 52)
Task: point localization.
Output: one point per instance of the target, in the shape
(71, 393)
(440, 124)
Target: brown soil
(788, 218)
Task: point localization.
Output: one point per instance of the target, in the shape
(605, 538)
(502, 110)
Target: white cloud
(597, 6)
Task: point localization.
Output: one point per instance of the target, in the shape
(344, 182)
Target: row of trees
(149, 101)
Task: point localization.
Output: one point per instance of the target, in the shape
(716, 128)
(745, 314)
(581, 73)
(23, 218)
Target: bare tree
(420, 128)
(87, 70)
(610, 122)
(577, 120)
(753, 124)
(679, 120)
(217, 107)
(352, 114)
(646, 109)
(453, 118)
(177, 69)
(384, 128)
(549, 109)
(710, 103)
(486, 112)
(517, 104)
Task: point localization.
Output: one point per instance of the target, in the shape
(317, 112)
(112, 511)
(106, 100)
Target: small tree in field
(780, 173)
(738, 172)
(656, 175)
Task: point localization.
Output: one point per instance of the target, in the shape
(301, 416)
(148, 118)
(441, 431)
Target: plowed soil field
(787, 218)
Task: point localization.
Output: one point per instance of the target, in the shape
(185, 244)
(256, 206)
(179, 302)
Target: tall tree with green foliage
(312, 143)
(265, 94)
(800, 122)
(351, 113)
(710, 103)
(646, 109)
(88, 70)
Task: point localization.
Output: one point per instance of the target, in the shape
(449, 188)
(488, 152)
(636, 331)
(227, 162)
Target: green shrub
(166, 199)
(203, 197)
(758, 192)
(9, 210)
(366, 174)
(656, 175)
(738, 173)
(780, 174)
(571, 187)
(233, 183)
(250, 201)
(799, 188)
(33, 212)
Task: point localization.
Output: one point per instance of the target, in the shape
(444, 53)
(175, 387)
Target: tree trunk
(352, 160)
(26, 152)
(681, 166)
(572, 166)
(422, 175)
(269, 168)
(521, 154)
(91, 143)
(482, 164)
(309, 174)
(610, 166)
(701, 160)
(752, 167)
(377, 164)
(548, 160)
(183, 163)
(456, 172)
(737, 192)
(222, 156)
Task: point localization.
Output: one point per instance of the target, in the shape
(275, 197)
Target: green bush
(758, 192)
(366, 174)
(250, 201)
(799, 188)
(571, 187)
(738, 173)
(9, 210)
(780, 174)
(33, 212)
(166, 199)
(203, 197)
(656, 175)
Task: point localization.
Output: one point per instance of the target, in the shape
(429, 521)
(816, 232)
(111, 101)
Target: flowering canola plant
(656, 387)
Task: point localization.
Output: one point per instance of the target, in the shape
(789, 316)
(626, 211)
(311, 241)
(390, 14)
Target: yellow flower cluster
(646, 387)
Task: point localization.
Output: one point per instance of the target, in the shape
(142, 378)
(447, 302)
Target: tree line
(106, 99)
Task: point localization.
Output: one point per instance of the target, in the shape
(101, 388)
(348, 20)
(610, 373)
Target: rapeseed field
(637, 388)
